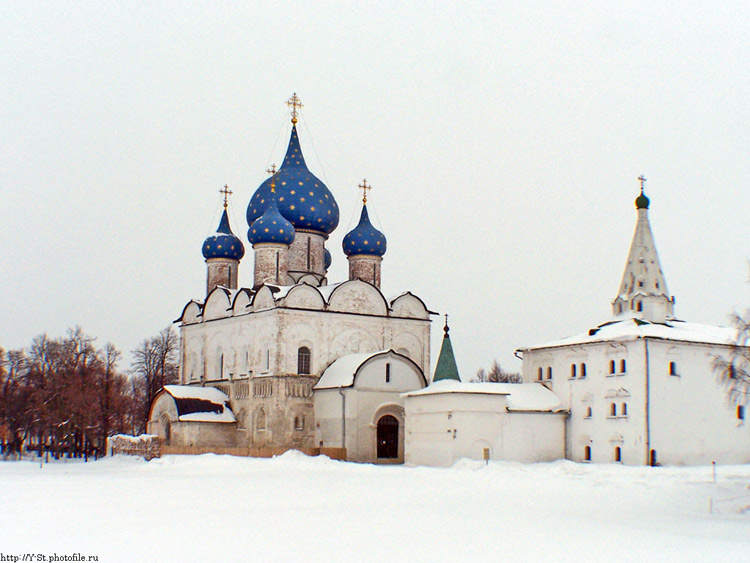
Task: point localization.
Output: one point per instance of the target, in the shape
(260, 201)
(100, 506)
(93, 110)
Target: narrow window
(387, 373)
(266, 359)
(308, 253)
(618, 454)
(639, 307)
(260, 421)
(741, 412)
(622, 366)
(587, 453)
(620, 307)
(672, 368)
(611, 366)
(303, 360)
(583, 370)
(572, 371)
(549, 372)
(299, 423)
(588, 412)
(612, 409)
(277, 267)
(624, 409)
(540, 373)
(640, 284)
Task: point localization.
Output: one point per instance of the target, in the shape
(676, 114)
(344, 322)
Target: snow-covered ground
(221, 508)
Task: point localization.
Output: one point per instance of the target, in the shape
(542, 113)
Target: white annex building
(642, 387)
(294, 361)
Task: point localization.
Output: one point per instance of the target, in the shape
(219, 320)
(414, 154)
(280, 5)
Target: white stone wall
(442, 428)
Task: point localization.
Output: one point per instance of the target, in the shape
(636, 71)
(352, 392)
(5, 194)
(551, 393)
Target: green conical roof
(446, 366)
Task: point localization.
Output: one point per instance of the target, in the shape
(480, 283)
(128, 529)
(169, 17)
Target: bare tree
(154, 366)
(497, 374)
(734, 370)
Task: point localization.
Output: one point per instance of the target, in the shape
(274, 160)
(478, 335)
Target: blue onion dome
(301, 197)
(271, 226)
(223, 243)
(327, 259)
(364, 238)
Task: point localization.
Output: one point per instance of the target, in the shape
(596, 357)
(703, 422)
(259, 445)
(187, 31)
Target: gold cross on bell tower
(272, 172)
(364, 187)
(226, 192)
(641, 179)
(294, 102)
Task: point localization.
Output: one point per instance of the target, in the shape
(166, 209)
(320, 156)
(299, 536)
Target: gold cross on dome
(226, 192)
(641, 179)
(294, 103)
(364, 187)
(272, 172)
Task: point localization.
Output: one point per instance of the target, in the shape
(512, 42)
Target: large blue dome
(271, 226)
(223, 243)
(301, 197)
(364, 238)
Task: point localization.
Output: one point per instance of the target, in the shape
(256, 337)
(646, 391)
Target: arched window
(583, 370)
(639, 307)
(618, 454)
(588, 412)
(624, 409)
(241, 419)
(219, 364)
(540, 373)
(303, 360)
(549, 372)
(587, 453)
(741, 412)
(611, 366)
(622, 366)
(612, 409)
(672, 368)
(572, 371)
(260, 420)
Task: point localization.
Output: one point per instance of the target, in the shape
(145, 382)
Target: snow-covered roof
(341, 372)
(624, 329)
(200, 404)
(520, 396)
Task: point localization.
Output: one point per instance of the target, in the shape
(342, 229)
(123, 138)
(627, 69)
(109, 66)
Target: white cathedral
(297, 362)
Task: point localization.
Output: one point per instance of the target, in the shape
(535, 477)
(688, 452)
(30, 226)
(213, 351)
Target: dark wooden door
(388, 437)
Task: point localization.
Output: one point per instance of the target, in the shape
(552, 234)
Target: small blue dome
(301, 197)
(271, 226)
(223, 243)
(326, 259)
(364, 238)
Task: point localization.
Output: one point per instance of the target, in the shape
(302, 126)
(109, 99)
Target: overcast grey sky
(503, 141)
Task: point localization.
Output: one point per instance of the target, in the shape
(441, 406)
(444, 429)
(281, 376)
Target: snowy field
(220, 508)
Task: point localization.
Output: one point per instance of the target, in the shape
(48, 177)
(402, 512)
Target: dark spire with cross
(294, 102)
(445, 328)
(226, 192)
(642, 202)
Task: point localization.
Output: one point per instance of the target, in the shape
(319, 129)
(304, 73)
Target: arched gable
(192, 313)
(410, 306)
(162, 404)
(304, 296)
(217, 304)
(356, 296)
(410, 342)
(390, 371)
(263, 299)
(242, 300)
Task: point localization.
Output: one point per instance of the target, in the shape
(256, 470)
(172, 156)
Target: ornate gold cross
(364, 187)
(294, 103)
(226, 192)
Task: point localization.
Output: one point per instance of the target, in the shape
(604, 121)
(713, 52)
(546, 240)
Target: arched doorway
(388, 437)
